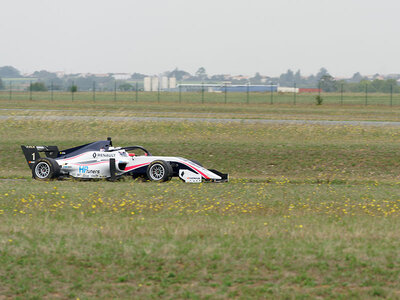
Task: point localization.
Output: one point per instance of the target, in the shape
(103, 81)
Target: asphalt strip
(195, 120)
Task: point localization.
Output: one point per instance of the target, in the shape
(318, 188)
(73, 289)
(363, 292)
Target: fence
(204, 97)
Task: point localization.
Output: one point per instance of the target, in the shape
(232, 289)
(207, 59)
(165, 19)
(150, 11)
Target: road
(193, 120)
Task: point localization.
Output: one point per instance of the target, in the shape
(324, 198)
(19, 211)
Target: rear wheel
(160, 171)
(45, 169)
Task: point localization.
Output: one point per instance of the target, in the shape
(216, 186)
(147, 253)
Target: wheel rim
(42, 170)
(157, 172)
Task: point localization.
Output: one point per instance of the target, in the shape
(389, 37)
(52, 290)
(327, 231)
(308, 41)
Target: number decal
(33, 156)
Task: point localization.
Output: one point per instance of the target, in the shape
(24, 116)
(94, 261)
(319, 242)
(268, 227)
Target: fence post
(366, 94)
(225, 93)
(10, 96)
(247, 93)
(94, 91)
(180, 93)
(30, 90)
(391, 95)
(72, 90)
(272, 95)
(319, 88)
(136, 94)
(115, 90)
(202, 92)
(294, 93)
(341, 94)
(51, 90)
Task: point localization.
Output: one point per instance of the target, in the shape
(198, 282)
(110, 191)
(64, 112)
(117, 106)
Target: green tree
(137, 76)
(43, 74)
(201, 73)
(178, 74)
(38, 87)
(256, 79)
(9, 72)
(328, 84)
(73, 88)
(322, 72)
(218, 77)
(126, 87)
(357, 77)
(297, 77)
(1, 84)
(287, 79)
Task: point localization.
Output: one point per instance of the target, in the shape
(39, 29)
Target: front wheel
(159, 170)
(45, 169)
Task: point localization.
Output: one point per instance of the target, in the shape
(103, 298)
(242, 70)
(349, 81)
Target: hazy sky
(223, 36)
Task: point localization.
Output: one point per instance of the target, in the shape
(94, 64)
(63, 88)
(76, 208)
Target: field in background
(311, 210)
(335, 112)
(206, 97)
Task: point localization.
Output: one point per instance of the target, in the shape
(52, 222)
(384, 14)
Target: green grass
(209, 98)
(301, 153)
(121, 240)
(310, 212)
(147, 107)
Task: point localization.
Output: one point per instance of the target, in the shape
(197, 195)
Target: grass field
(311, 211)
(207, 98)
(123, 107)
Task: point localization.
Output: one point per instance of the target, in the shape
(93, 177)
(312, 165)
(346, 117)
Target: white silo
(164, 82)
(147, 84)
(172, 82)
(154, 83)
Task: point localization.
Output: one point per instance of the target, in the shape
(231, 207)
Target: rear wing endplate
(32, 153)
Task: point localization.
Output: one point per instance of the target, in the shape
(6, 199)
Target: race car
(101, 160)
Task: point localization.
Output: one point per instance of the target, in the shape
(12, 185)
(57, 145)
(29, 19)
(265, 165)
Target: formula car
(101, 160)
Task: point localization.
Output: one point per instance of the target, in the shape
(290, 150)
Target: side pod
(113, 175)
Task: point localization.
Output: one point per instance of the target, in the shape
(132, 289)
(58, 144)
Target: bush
(126, 87)
(73, 89)
(38, 87)
(318, 100)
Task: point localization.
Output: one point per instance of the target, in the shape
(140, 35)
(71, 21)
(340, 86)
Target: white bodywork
(96, 164)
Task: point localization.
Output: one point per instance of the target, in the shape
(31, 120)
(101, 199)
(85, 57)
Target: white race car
(101, 160)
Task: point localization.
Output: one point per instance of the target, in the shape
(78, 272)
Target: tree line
(322, 79)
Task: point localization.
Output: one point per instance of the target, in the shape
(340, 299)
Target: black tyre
(159, 170)
(45, 169)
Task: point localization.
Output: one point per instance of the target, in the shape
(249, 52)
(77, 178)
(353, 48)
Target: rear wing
(32, 153)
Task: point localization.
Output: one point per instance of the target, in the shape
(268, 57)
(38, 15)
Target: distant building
(240, 77)
(147, 84)
(172, 82)
(100, 75)
(84, 75)
(121, 76)
(283, 89)
(164, 82)
(309, 90)
(153, 84)
(60, 74)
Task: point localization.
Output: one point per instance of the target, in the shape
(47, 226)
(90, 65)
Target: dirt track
(210, 120)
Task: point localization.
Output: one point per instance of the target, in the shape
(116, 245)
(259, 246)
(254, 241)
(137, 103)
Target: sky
(223, 36)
